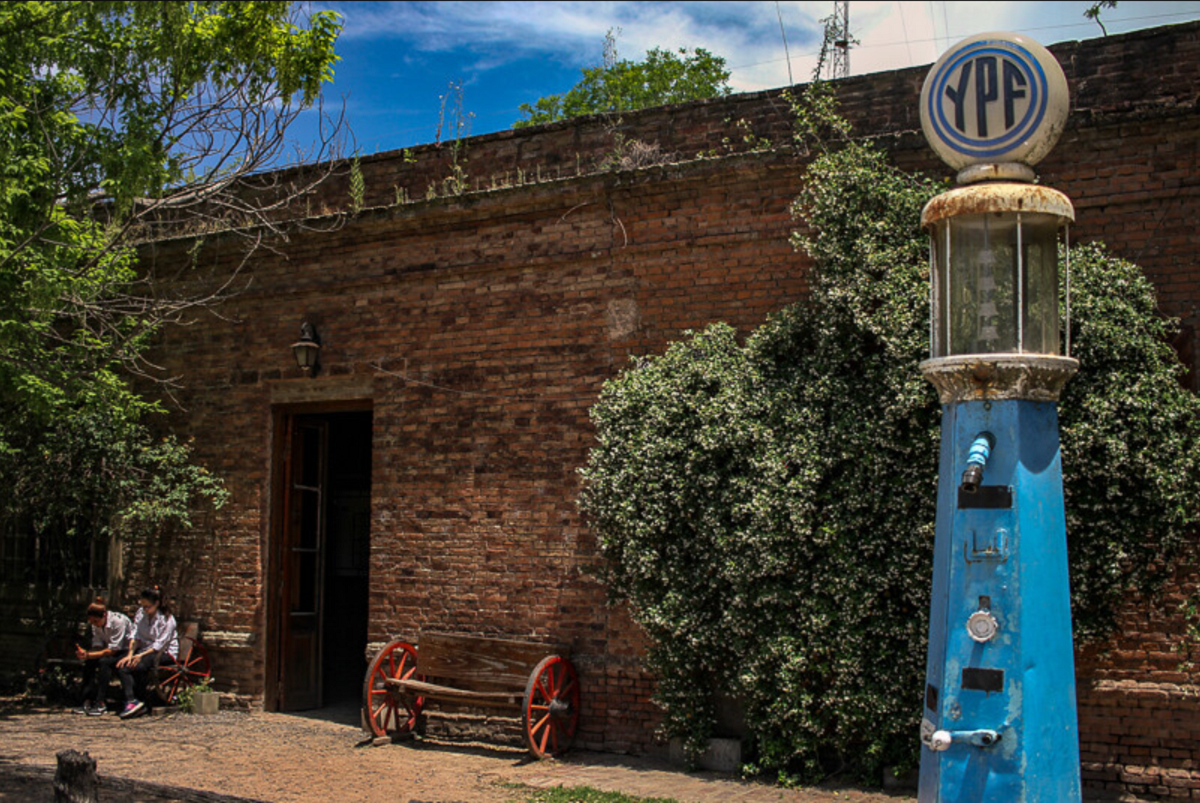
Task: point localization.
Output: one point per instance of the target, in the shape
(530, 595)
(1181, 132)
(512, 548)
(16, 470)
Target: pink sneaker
(132, 710)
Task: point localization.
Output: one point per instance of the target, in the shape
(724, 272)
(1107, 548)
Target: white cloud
(747, 34)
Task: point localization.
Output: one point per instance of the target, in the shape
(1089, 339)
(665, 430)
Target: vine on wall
(766, 507)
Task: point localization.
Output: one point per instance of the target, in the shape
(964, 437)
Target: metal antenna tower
(840, 64)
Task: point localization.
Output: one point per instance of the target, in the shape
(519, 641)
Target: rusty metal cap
(998, 196)
(992, 377)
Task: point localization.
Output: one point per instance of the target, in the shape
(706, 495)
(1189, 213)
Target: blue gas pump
(999, 721)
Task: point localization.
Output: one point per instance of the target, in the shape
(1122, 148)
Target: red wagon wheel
(173, 675)
(551, 708)
(385, 710)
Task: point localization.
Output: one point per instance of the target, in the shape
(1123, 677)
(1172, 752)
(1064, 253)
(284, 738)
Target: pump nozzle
(977, 457)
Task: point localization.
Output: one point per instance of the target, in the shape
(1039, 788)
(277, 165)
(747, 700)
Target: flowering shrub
(767, 508)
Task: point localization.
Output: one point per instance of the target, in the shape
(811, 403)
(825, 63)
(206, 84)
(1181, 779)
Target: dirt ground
(279, 757)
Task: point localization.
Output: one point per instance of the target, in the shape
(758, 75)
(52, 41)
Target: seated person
(111, 632)
(154, 634)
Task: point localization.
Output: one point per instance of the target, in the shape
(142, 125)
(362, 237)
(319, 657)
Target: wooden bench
(60, 671)
(535, 679)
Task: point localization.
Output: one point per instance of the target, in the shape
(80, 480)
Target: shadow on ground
(36, 785)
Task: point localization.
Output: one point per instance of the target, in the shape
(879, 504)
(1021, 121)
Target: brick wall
(481, 326)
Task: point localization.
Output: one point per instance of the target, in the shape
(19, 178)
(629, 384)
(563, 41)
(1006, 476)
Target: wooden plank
(474, 662)
(503, 699)
(66, 663)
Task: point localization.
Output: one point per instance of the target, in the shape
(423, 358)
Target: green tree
(121, 122)
(767, 507)
(1093, 12)
(623, 85)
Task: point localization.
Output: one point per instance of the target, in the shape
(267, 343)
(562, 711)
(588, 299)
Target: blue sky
(398, 59)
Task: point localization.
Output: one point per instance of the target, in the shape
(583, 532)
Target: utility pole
(840, 64)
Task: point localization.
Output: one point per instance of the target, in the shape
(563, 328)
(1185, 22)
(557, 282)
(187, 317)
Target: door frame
(273, 581)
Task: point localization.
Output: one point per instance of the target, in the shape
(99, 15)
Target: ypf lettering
(988, 89)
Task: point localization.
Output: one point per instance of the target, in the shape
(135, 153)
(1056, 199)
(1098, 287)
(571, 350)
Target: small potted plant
(199, 698)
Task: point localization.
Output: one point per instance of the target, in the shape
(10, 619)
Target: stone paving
(647, 778)
(277, 757)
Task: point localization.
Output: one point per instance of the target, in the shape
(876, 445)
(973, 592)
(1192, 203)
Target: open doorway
(321, 556)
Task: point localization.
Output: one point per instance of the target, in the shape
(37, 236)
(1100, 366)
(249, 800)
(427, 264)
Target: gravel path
(279, 757)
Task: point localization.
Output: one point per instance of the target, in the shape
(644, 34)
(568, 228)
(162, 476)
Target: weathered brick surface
(481, 328)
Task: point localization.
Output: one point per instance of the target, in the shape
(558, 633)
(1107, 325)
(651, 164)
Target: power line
(945, 25)
(779, 14)
(904, 27)
(933, 22)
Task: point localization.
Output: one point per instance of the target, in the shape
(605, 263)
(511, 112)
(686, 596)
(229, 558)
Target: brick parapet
(1144, 74)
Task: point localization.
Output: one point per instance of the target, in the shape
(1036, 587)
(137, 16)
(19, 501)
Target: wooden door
(303, 559)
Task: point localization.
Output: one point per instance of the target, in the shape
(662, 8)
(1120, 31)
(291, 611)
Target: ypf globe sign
(995, 98)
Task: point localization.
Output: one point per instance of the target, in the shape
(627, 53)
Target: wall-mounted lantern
(307, 348)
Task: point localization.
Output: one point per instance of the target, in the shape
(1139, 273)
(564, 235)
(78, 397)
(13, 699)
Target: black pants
(133, 678)
(97, 673)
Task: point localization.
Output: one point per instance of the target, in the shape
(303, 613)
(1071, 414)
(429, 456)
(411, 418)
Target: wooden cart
(538, 680)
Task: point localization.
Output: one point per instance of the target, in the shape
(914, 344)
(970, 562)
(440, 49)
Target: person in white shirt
(154, 634)
(111, 632)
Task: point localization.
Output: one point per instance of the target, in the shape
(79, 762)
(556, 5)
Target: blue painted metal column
(999, 722)
(999, 719)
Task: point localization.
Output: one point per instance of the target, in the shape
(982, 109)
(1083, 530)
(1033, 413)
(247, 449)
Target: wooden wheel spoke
(394, 710)
(384, 715)
(383, 711)
(551, 707)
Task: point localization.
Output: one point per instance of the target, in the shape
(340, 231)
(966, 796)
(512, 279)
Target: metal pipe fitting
(941, 740)
(977, 457)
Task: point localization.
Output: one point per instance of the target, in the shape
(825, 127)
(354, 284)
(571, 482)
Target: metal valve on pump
(982, 626)
(940, 740)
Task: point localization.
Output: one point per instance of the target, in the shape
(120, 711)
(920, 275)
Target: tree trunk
(75, 781)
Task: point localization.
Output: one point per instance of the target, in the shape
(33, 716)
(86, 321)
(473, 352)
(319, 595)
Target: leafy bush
(1129, 441)
(767, 508)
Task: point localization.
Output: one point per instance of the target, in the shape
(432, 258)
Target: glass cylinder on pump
(994, 264)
